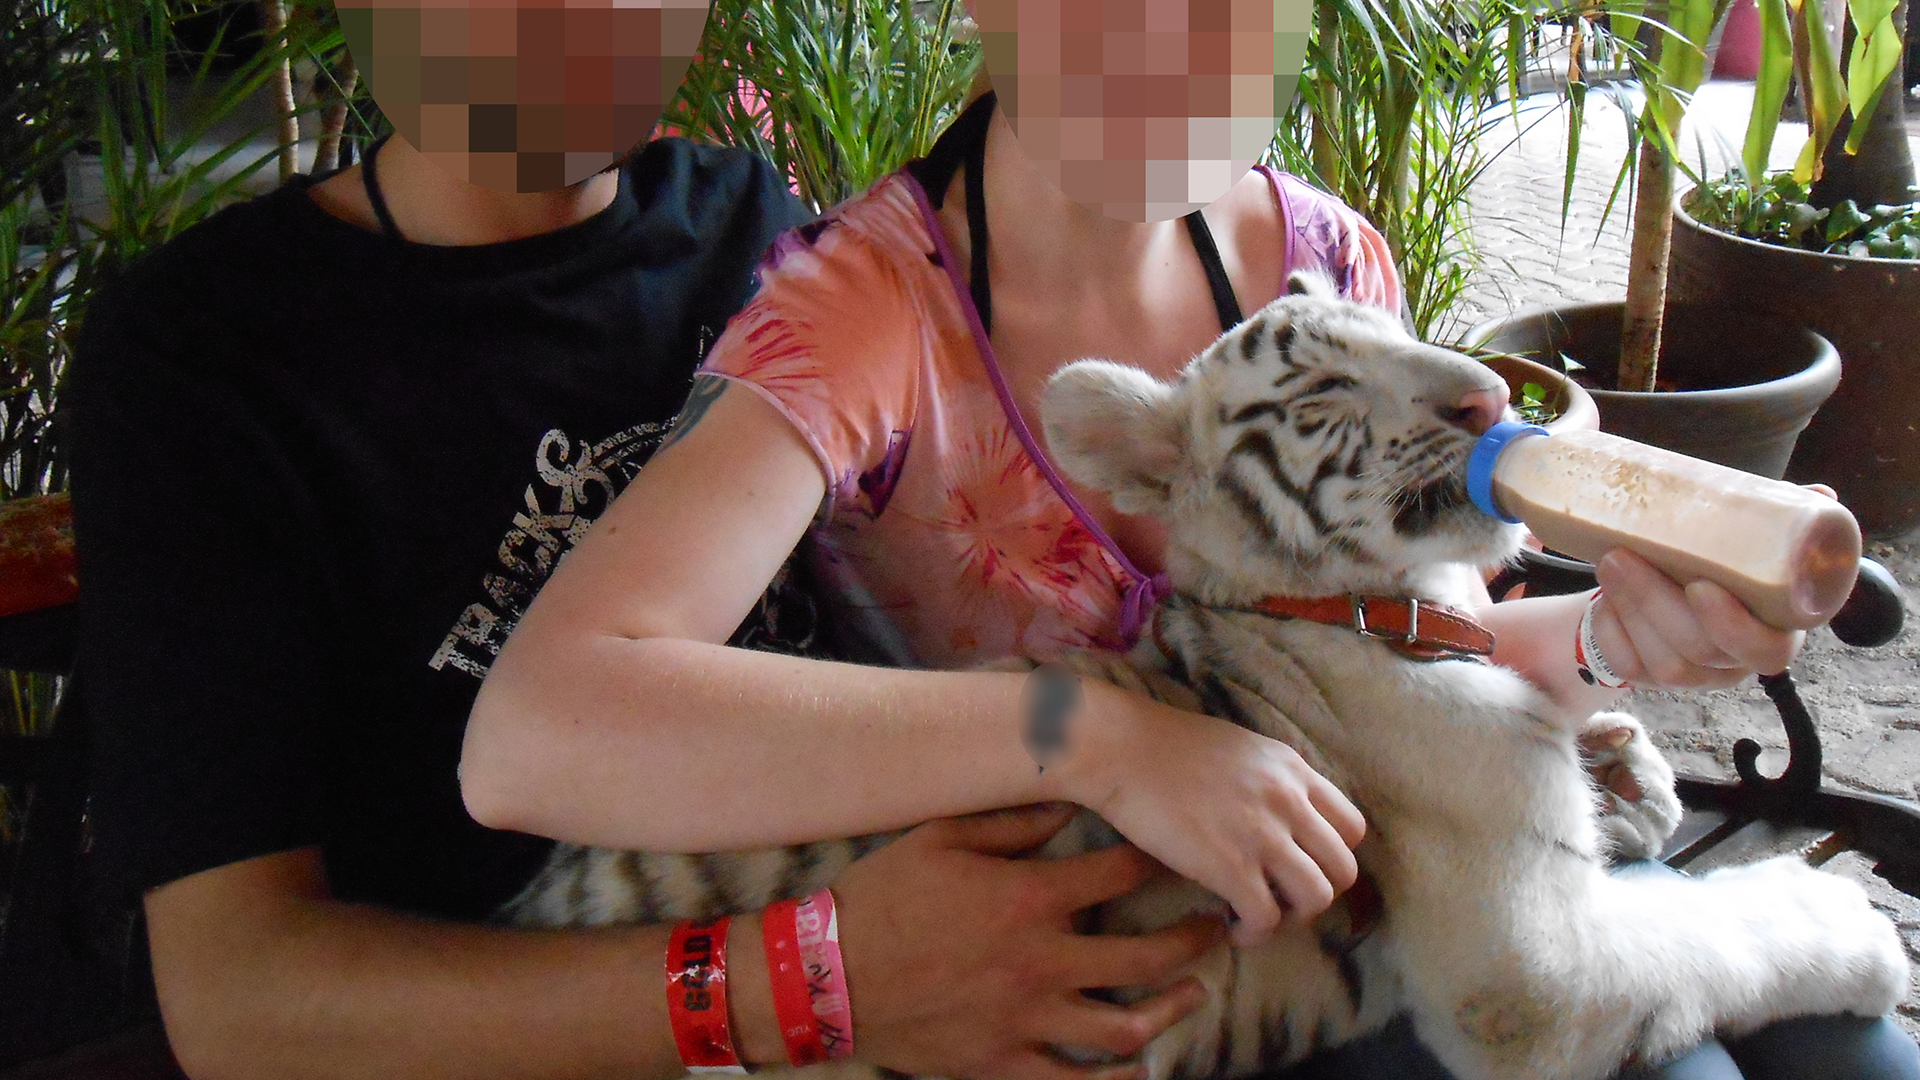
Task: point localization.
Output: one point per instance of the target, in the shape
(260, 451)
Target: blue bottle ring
(1485, 453)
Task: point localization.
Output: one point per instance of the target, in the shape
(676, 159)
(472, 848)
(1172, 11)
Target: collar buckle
(1411, 637)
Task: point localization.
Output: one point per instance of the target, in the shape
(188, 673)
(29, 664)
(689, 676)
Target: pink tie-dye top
(946, 540)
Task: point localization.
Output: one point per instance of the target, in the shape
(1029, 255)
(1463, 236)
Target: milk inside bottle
(1789, 553)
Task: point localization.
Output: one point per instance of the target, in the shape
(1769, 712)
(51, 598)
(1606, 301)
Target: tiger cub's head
(1316, 448)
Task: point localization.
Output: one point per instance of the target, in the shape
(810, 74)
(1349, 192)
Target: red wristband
(792, 1005)
(697, 996)
(809, 979)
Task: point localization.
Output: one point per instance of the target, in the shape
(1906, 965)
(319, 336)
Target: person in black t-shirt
(318, 473)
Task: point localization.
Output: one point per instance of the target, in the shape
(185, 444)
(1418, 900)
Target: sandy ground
(1867, 702)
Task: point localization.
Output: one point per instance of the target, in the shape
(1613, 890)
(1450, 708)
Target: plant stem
(1326, 159)
(273, 13)
(326, 153)
(1647, 263)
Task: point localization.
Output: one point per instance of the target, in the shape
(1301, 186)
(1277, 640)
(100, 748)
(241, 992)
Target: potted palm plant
(1832, 244)
(1399, 111)
(1708, 367)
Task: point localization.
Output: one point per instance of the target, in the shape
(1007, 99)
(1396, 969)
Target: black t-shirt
(317, 474)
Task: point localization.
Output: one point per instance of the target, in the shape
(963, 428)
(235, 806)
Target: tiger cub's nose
(1477, 411)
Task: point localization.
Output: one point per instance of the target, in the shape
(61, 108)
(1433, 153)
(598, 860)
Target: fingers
(1300, 883)
(1337, 810)
(1002, 832)
(1109, 960)
(1695, 637)
(1332, 861)
(1754, 644)
(1654, 612)
(1316, 862)
(1291, 886)
(1302, 870)
(1084, 1023)
(1256, 907)
(1081, 881)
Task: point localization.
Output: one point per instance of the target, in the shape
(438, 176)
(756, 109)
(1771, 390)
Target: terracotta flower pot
(1866, 441)
(1573, 407)
(1749, 381)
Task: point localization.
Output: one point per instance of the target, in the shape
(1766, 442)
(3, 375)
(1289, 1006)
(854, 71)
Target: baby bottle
(1789, 553)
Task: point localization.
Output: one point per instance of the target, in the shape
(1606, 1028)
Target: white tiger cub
(1313, 451)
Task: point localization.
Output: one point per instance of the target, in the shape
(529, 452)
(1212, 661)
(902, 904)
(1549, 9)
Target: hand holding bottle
(1788, 553)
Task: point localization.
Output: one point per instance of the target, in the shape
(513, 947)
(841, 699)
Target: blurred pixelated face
(523, 95)
(1144, 109)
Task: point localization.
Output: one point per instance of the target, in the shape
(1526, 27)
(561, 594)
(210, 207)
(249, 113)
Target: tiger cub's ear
(1312, 283)
(1114, 428)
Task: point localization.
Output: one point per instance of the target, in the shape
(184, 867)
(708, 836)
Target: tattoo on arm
(706, 390)
(1050, 696)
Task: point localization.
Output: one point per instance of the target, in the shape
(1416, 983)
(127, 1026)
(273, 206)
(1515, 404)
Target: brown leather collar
(1417, 630)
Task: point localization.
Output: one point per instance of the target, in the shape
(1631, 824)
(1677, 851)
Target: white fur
(1515, 950)
(1517, 954)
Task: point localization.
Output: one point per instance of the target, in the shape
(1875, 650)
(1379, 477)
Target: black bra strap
(965, 143)
(977, 232)
(1223, 298)
(935, 171)
(372, 181)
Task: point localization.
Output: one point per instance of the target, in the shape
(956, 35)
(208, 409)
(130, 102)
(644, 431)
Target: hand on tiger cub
(1239, 812)
(975, 977)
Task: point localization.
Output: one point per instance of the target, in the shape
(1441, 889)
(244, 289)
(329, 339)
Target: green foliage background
(1395, 114)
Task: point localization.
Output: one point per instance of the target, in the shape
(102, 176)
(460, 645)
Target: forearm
(1534, 636)
(624, 743)
(323, 989)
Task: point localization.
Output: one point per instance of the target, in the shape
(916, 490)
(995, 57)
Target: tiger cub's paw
(1639, 809)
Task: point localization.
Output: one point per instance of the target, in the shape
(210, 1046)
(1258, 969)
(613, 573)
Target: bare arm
(614, 717)
(615, 690)
(261, 973)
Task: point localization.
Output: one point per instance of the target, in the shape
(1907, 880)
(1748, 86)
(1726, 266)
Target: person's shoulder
(1332, 236)
(881, 231)
(231, 240)
(674, 176)
(213, 267)
(1303, 200)
(890, 210)
(209, 271)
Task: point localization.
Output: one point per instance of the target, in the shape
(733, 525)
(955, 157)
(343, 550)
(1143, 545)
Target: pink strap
(1143, 591)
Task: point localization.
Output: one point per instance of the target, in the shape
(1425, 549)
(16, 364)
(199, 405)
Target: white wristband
(1586, 653)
